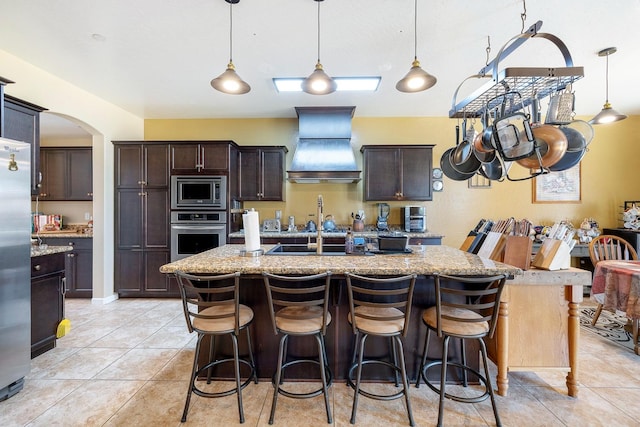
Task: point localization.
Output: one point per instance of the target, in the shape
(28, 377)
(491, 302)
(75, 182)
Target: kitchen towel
(251, 224)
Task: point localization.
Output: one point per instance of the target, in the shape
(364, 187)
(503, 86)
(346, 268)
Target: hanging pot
(569, 160)
(484, 156)
(552, 144)
(576, 141)
(584, 128)
(494, 170)
(449, 170)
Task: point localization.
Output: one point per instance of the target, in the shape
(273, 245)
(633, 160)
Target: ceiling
(155, 58)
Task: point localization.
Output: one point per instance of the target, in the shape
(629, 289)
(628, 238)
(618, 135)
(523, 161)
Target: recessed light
(294, 84)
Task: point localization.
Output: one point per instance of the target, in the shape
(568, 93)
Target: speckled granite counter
(48, 250)
(432, 259)
(64, 234)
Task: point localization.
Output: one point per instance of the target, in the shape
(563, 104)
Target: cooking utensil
(329, 224)
(552, 145)
(494, 170)
(561, 106)
(463, 158)
(449, 170)
(583, 127)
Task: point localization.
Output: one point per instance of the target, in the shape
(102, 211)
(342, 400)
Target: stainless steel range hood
(324, 152)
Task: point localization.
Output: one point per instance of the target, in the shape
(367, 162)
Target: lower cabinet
(79, 265)
(137, 274)
(47, 300)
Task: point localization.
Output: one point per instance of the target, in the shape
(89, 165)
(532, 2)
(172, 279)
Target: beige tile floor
(127, 364)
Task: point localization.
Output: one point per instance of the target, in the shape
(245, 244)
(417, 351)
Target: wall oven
(195, 232)
(199, 192)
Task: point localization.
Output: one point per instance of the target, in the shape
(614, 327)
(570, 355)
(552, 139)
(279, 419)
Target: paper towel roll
(251, 224)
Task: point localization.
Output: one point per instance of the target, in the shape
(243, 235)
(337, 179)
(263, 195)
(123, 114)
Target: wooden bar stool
(299, 306)
(466, 308)
(212, 308)
(379, 307)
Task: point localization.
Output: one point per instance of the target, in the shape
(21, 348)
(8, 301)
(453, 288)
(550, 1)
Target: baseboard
(105, 300)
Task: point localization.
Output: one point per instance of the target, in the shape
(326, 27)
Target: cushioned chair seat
(378, 327)
(301, 320)
(223, 325)
(453, 327)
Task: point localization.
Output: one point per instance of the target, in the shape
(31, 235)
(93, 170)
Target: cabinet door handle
(36, 267)
(71, 255)
(70, 243)
(63, 289)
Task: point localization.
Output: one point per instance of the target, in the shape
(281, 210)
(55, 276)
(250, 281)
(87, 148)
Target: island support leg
(502, 356)
(574, 343)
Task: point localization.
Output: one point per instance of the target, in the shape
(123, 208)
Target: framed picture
(558, 187)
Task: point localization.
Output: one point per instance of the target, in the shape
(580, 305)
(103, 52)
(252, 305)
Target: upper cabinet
(204, 158)
(21, 121)
(261, 174)
(397, 172)
(67, 173)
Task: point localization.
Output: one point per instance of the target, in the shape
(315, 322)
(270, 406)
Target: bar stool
(299, 306)
(466, 308)
(213, 309)
(379, 307)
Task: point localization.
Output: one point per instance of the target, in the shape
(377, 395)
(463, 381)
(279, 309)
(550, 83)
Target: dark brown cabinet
(142, 219)
(261, 174)
(67, 173)
(47, 300)
(78, 265)
(399, 172)
(21, 121)
(206, 158)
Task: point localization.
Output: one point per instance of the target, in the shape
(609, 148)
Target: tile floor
(127, 364)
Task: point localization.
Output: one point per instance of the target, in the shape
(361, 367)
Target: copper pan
(552, 144)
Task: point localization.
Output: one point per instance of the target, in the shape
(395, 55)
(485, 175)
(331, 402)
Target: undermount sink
(302, 249)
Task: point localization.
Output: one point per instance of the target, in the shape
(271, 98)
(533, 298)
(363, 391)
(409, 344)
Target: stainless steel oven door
(191, 239)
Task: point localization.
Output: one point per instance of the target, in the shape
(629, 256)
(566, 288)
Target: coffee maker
(415, 219)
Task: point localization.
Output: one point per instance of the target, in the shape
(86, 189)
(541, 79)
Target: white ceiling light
(607, 114)
(319, 82)
(229, 81)
(417, 79)
(344, 84)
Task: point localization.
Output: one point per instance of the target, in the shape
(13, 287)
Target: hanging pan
(552, 145)
(449, 170)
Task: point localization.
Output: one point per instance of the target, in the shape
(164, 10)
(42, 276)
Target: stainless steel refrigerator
(15, 266)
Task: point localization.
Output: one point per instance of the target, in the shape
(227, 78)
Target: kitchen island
(424, 261)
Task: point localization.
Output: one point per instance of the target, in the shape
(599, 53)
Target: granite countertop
(424, 260)
(66, 234)
(48, 250)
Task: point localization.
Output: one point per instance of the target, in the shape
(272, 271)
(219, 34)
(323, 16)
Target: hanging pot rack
(532, 83)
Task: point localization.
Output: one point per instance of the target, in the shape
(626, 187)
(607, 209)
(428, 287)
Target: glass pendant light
(319, 82)
(229, 81)
(608, 114)
(417, 79)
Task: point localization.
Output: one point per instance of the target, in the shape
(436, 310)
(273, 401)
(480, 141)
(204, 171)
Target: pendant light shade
(319, 82)
(229, 81)
(416, 80)
(607, 114)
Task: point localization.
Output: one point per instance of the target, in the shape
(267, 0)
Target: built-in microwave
(198, 192)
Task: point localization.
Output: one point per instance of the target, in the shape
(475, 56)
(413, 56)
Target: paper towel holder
(256, 253)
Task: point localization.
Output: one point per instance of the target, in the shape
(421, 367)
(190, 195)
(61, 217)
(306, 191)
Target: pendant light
(608, 114)
(416, 80)
(229, 81)
(319, 82)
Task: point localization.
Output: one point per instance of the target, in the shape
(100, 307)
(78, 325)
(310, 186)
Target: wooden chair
(212, 308)
(608, 247)
(466, 308)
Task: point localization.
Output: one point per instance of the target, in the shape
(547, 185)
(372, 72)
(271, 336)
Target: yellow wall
(609, 173)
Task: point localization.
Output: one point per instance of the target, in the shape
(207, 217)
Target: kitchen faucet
(318, 244)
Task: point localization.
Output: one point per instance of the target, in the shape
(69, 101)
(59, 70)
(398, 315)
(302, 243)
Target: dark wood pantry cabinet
(262, 173)
(397, 172)
(142, 234)
(67, 173)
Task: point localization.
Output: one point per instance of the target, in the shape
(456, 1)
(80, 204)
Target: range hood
(324, 152)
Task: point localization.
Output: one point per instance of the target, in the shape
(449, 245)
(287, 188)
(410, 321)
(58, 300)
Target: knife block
(553, 255)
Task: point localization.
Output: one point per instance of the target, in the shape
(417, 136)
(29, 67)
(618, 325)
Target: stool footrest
(472, 399)
(309, 394)
(374, 395)
(210, 365)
